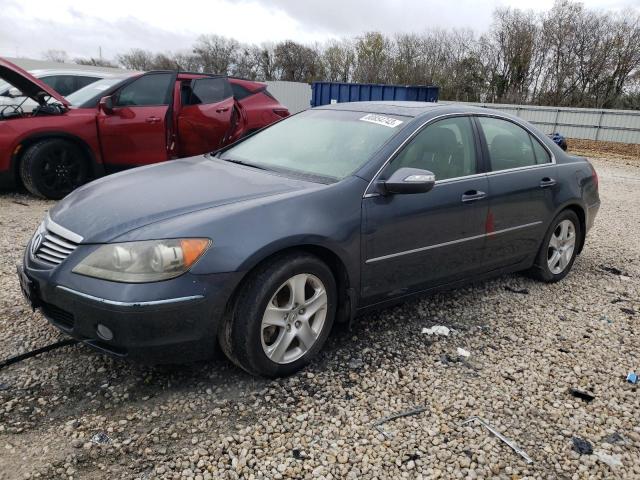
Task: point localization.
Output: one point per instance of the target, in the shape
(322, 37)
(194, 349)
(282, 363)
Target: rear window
(240, 92)
(208, 90)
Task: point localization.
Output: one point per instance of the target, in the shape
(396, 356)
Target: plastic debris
(611, 460)
(101, 438)
(522, 291)
(413, 411)
(463, 353)
(437, 330)
(514, 446)
(613, 270)
(613, 438)
(586, 396)
(632, 377)
(37, 351)
(582, 446)
(628, 311)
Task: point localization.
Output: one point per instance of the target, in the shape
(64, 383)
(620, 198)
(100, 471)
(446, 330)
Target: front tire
(559, 248)
(53, 168)
(282, 316)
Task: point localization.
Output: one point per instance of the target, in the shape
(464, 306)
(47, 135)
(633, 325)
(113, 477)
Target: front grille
(58, 315)
(54, 248)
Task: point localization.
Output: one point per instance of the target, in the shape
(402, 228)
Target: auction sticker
(381, 120)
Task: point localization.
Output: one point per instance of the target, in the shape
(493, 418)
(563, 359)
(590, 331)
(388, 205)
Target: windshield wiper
(240, 162)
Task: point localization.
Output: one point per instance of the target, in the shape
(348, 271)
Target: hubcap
(561, 246)
(293, 319)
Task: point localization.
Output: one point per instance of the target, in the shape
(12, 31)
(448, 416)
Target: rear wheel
(282, 316)
(53, 168)
(559, 248)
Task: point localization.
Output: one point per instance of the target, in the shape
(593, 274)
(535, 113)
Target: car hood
(29, 85)
(114, 205)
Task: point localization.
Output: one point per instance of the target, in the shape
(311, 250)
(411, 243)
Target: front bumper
(173, 321)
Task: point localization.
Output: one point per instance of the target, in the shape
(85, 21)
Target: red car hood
(28, 85)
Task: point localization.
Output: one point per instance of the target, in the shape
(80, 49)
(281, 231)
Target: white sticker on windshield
(381, 120)
(101, 87)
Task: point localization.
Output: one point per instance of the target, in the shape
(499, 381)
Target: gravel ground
(210, 420)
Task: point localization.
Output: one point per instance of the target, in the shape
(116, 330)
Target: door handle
(152, 119)
(222, 110)
(547, 182)
(471, 196)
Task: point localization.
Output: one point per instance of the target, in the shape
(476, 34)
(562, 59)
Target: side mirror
(408, 180)
(106, 105)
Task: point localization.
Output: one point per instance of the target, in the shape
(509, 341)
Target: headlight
(147, 261)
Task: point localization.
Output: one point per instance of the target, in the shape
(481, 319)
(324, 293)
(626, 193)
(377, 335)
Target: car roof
(407, 109)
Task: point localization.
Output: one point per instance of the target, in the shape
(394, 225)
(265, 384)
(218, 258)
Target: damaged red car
(122, 122)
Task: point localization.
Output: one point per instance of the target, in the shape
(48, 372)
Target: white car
(65, 82)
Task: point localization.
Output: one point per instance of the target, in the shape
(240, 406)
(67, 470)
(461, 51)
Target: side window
(153, 89)
(239, 91)
(445, 148)
(510, 146)
(63, 84)
(542, 155)
(209, 90)
(82, 81)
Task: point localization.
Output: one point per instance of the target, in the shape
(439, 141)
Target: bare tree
(59, 56)
(137, 59)
(217, 54)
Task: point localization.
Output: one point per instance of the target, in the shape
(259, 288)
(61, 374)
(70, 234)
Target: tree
(295, 62)
(372, 58)
(217, 54)
(137, 59)
(59, 56)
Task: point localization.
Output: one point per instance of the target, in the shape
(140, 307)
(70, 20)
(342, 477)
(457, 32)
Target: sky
(84, 27)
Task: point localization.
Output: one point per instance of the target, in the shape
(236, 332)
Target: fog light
(104, 333)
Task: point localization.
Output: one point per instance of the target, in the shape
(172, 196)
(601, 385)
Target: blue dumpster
(324, 93)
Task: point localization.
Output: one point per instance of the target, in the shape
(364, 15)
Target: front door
(136, 132)
(207, 115)
(522, 182)
(413, 242)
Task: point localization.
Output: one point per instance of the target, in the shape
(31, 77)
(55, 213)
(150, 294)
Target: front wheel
(559, 248)
(282, 316)
(53, 168)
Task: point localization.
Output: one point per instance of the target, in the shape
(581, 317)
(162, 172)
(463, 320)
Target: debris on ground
(514, 446)
(378, 425)
(586, 396)
(613, 270)
(355, 363)
(628, 311)
(463, 353)
(582, 446)
(18, 202)
(522, 291)
(37, 351)
(101, 438)
(611, 460)
(437, 330)
(632, 377)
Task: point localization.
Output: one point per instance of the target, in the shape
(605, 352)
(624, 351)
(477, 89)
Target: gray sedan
(263, 245)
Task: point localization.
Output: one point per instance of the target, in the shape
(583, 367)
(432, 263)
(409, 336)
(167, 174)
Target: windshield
(326, 143)
(79, 97)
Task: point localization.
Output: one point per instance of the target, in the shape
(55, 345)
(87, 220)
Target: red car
(122, 122)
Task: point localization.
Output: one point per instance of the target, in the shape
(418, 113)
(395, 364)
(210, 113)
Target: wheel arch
(23, 145)
(344, 282)
(579, 210)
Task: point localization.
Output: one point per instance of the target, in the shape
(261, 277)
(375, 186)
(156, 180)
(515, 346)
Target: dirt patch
(591, 148)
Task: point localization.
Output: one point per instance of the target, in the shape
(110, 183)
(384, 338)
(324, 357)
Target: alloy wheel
(61, 170)
(294, 318)
(561, 246)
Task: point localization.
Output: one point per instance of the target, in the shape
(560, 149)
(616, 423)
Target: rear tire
(282, 316)
(559, 248)
(53, 168)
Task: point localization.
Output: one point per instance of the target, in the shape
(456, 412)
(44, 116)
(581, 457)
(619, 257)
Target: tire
(271, 350)
(547, 266)
(53, 168)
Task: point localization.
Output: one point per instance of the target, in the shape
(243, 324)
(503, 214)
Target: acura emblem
(35, 243)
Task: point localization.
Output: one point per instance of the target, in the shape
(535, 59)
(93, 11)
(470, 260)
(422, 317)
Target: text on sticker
(381, 120)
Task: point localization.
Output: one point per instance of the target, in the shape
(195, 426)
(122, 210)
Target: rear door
(136, 132)
(413, 242)
(207, 115)
(522, 182)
